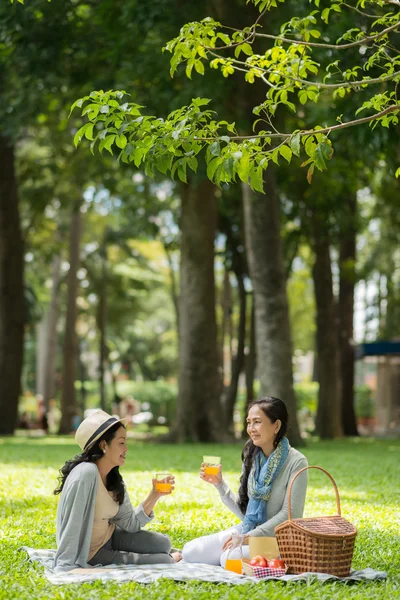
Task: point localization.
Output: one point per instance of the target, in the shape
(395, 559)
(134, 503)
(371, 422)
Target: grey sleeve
(75, 520)
(229, 499)
(298, 496)
(129, 518)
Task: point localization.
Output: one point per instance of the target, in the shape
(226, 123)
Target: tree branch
(360, 11)
(378, 115)
(332, 86)
(364, 41)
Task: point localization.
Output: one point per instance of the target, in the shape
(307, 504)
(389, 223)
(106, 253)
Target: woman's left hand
(228, 542)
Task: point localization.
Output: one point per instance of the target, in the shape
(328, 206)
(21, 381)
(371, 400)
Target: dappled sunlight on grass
(367, 474)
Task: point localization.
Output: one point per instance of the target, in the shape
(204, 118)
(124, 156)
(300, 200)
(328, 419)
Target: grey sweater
(75, 515)
(277, 505)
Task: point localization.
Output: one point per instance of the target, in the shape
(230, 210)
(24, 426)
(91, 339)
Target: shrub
(307, 396)
(364, 402)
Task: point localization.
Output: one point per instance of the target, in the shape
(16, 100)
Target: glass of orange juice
(235, 555)
(162, 483)
(212, 464)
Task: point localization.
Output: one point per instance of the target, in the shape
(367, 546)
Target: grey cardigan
(75, 515)
(277, 505)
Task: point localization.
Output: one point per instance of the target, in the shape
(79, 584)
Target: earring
(104, 451)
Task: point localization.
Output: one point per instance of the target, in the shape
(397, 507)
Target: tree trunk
(328, 422)
(347, 264)
(226, 327)
(265, 258)
(238, 359)
(250, 366)
(174, 286)
(198, 407)
(82, 378)
(12, 311)
(69, 407)
(102, 318)
(51, 344)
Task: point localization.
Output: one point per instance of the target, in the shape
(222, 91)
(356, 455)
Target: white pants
(208, 548)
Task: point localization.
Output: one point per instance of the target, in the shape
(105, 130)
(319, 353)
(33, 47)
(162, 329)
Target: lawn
(367, 473)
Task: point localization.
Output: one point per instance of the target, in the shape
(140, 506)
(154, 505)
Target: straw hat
(94, 426)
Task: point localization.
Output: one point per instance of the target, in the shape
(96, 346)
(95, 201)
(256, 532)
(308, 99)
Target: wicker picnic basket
(317, 545)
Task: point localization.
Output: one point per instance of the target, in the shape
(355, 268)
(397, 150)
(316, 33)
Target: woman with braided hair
(269, 464)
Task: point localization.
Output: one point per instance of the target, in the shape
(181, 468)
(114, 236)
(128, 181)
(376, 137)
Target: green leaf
(243, 167)
(121, 141)
(189, 68)
(224, 38)
(198, 65)
(275, 157)
(164, 163)
(228, 165)
(303, 96)
(286, 152)
(77, 103)
(212, 167)
(397, 174)
(249, 77)
(309, 145)
(215, 149)
(79, 134)
(256, 180)
(182, 172)
(192, 163)
(295, 143)
(89, 131)
(107, 143)
(323, 152)
(325, 14)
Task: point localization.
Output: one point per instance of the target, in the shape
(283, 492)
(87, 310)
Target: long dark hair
(274, 409)
(114, 482)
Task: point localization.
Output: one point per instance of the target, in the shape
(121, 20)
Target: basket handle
(326, 473)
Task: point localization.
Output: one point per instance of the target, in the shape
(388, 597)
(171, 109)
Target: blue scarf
(262, 475)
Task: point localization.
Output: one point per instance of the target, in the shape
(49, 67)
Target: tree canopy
(295, 69)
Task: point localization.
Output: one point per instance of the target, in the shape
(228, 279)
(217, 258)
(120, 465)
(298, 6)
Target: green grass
(367, 473)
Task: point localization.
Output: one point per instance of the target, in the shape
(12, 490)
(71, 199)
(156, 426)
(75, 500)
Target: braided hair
(274, 409)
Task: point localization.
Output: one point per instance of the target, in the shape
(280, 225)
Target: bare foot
(177, 556)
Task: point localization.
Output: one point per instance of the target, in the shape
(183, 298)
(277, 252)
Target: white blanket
(178, 572)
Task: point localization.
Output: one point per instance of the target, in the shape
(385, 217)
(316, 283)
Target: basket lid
(332, 525)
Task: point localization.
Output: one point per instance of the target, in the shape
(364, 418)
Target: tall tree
(199, 379)
(266, 265)
(12, 315)
(347, 281)
(69, 408)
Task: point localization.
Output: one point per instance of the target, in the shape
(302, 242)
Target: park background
(138, 295)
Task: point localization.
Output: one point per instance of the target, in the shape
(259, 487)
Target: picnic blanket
(178, 572)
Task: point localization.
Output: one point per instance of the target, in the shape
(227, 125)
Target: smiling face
(262, 430)
(116, 449)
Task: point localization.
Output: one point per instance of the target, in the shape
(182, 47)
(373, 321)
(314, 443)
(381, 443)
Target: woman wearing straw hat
(96, 523)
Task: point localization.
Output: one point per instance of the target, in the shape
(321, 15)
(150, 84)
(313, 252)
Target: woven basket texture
(318, 544)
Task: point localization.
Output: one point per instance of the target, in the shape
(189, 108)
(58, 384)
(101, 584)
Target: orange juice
(234, 564)
(161, 486)
(210, 470)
